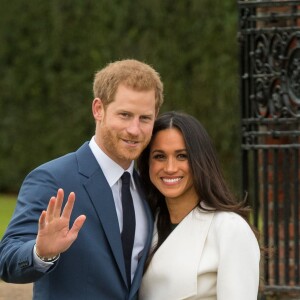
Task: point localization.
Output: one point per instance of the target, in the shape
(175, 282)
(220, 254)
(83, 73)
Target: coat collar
(174, 265)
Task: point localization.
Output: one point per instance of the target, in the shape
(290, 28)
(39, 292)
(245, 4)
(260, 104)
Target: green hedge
(50, 50)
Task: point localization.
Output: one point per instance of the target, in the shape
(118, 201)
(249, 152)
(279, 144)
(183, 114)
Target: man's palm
(54, 235)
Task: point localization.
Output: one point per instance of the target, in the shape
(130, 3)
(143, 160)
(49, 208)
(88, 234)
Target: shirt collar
(111, 170)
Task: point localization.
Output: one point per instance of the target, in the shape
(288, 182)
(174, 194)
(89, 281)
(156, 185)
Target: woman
(203, 246)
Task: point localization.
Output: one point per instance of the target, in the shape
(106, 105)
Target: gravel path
(9, 291)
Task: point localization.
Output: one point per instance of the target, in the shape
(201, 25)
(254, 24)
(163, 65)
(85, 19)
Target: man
(73, 249)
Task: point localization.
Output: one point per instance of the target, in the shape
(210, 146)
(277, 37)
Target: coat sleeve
(16, 247)
(239, 257)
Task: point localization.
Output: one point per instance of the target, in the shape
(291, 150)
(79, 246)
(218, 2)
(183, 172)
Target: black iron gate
(269, 37)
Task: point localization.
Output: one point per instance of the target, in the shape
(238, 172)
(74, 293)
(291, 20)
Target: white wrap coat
(208, 256)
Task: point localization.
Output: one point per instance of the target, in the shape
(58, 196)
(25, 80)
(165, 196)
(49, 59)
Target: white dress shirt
(113, 172)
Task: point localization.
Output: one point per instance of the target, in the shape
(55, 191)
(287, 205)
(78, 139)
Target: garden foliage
(50, 50)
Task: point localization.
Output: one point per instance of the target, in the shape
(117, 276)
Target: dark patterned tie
(128, 232)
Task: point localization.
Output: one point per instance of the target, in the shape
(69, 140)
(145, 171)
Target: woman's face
(169, 167)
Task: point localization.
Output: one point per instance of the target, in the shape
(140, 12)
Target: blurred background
(50, 51)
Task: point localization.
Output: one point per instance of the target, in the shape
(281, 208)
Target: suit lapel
(140, 268)
(101, 196)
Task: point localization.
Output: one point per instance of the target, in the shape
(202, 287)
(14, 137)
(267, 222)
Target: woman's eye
(158, 156)
(182, 156)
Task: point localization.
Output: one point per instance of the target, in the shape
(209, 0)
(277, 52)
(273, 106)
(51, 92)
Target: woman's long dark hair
(209, 182)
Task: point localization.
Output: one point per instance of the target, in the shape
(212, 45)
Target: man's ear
(156, 113)
(98, 109)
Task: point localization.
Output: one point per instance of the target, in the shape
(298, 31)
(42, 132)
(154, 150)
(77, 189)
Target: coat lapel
(140, 268)
(173, 270)
(101, 196)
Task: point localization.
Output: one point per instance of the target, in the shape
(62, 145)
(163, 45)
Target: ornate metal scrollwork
(277, 45)
(276, 69)
(293, 67)
(261, 54)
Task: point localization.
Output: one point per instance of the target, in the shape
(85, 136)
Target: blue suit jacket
(93, 267)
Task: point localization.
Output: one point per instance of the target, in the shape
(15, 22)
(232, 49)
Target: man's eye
(125, 115)
(146, 119)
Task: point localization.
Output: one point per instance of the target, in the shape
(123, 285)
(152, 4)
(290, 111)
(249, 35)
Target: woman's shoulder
(232, 231)
(230, 218)
(231, 224)
(222, 216)
(225, 220)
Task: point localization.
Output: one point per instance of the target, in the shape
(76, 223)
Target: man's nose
(134, 127)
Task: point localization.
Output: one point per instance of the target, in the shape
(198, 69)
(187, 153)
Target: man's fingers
(69, 206)
(58, 203)
(50, 209)
(42, 220)
(77, 225)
